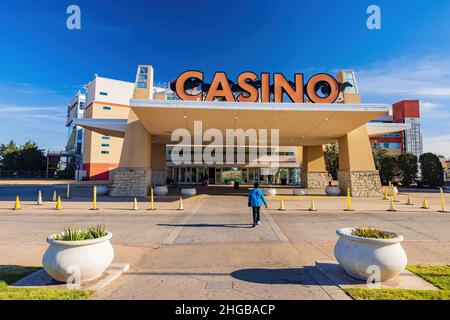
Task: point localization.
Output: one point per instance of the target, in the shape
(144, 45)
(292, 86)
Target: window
(390, 135)
(105, 152)
(105, 138)
(390, 145)
(171, 96)
(106, 108)
(283, 153)
(141, 78)
(105, 144)
(102, 93)
(349, 77)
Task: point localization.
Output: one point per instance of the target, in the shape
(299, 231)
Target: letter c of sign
(311, 88)
(179, 86)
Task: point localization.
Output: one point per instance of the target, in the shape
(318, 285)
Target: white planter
(160, 190)
(299, 191)
(269, 191)
(102, 190)
(83, 260)
(332, 190)
(188, 191)
(357, 254)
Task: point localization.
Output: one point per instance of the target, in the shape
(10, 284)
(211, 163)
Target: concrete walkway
(210, 251)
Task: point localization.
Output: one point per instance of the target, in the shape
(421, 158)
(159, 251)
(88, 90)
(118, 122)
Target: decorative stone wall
(159, 177)
(314, 180)
(361, 183)
(130, 182)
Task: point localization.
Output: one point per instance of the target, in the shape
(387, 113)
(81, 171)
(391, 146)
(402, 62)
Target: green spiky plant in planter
(367, 232)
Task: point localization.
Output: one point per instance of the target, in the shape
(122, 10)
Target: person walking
(255, 200)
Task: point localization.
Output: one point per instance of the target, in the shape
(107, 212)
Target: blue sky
(42, 63)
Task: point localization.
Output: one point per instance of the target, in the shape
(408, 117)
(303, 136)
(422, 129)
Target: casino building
(128, 126)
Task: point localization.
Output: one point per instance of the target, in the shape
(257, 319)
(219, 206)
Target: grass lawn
(439, 276)
(10, 274)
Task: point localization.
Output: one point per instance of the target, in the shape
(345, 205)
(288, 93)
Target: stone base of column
(314, 180)
(159, 177)
(133, 182)
(361, 183)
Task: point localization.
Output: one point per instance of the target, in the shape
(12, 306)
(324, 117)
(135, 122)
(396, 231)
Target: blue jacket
(256, 198)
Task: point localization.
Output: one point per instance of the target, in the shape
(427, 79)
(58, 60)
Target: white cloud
(412, 78)
(32, 112)
(438, 145)
(20, 111)
(430, 105)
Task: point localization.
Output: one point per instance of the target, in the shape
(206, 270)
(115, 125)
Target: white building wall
(117, 91)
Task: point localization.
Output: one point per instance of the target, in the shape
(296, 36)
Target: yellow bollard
(282, 208)
(391, 206)
(152, 201)
(385, 194)
(442, 210)
(58, 204)
(135, 204)
(54, 196)
(39, 200)
(349, 201)
(94, 198)
(68, 191)
(181, 204)
(409, 201)
(394, 194)
(425, 203)
(313, 206)
(17, 204)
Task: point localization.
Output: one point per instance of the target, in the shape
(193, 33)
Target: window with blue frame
(105, 144)
(105, 152)
(102, 93)
(390, 145)
(106, 108)
(105, 138)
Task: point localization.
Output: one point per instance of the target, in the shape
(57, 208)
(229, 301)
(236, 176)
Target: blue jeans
(255, 214)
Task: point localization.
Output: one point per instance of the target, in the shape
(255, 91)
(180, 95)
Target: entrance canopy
(305, 124)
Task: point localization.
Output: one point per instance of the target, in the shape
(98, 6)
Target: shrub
(388, 169)
(431, 170)
(367, 232)
(77, 234)
(407, 164)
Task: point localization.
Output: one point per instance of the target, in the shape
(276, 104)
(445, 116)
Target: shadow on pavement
(275, 276)
(208, 225)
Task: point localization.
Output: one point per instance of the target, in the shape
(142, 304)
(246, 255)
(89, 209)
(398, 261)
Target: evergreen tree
(431, 170)
(407, 164)
(331, 154)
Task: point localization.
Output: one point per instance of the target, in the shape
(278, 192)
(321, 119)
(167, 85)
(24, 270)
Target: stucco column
(314, 174)
(356, 165)
(133, 176)
(158, 164)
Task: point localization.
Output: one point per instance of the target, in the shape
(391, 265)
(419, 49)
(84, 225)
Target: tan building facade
(140, 137)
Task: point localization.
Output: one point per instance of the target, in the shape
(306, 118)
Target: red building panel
(405, 109)
(98, 171)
